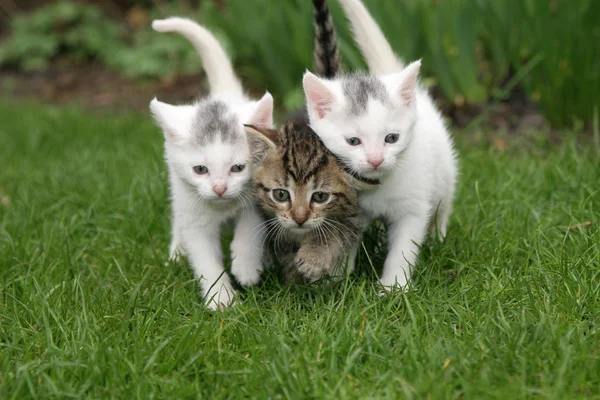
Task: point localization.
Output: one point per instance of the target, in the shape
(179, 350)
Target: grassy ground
(508, 307)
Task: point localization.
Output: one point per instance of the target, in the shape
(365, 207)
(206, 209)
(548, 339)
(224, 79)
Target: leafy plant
(469, 47)
(565, 36)
(79, 31)
(154, 55)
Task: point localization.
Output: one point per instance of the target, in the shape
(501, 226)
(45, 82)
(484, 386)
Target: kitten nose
(375, 161)
(219, 188)
(300, 216)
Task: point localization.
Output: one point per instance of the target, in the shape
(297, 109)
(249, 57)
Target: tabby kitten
(310, 203)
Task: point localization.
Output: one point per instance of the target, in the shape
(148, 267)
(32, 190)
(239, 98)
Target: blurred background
(509, 65)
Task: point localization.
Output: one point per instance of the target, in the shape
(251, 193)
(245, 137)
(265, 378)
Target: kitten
(387, 127)
(207, 155)
(295, 158)
(310, 203)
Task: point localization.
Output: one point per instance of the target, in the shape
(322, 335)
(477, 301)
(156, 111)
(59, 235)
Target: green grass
(508, 307)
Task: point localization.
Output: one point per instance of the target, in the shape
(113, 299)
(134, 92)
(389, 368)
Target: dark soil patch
(96, 88)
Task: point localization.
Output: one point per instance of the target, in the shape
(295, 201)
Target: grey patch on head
(359, 88)
(215, 119)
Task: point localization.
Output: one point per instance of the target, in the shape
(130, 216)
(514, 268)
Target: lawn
(508, 307)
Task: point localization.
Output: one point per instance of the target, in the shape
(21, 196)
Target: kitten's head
(206, 145)
(298, 181)
(365, 120)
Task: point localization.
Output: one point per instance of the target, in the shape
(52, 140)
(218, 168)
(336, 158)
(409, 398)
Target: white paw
(218, 297)
(247, 273)
(396, 282)
(175, 252)
(246, 264)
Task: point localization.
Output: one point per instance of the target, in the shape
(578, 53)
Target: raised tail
(216, 63)
(327, 54)
(375, 48)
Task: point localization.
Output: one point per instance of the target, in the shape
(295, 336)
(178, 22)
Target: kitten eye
(238, 168)
(200, 169)
(353, 141)
(320, 197)
(281, 195)
(392, 138)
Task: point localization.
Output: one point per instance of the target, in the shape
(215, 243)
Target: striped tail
(327, 54)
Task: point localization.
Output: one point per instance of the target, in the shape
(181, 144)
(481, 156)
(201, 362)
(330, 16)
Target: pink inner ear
(408, 88)
(322, 107)
(262, 119)
(321, 103)
(407, 94)
(318, 95)
(263, 116)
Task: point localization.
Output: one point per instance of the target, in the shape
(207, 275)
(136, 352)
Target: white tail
(375, 48)
(216, 63)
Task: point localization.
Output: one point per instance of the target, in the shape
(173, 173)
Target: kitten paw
(310, 265)
(219, 296)
(247, 274)
(175, 253)
(246, 264)
(389, 284)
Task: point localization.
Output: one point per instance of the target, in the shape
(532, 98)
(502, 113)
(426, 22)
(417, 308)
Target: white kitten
(386, 127)
(208, 159)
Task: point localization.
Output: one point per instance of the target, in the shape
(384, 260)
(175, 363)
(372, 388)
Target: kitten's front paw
(175, 252)
(311, 265)
(395, 282)
(245, 272)
(218, 297)
(246, 264)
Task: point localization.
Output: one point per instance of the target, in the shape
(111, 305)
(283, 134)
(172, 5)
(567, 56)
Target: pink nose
(219, 189)
(375, 161)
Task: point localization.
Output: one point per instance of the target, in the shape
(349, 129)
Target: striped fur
(326, 53)
(297, 161)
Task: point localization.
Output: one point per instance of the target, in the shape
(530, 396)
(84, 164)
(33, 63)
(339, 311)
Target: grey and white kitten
(384, 126)
(208, 158)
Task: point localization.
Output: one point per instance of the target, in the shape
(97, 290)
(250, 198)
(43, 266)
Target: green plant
(77, 31)
(154, 55)
(565, 36)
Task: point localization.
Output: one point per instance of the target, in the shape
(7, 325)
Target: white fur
(218, 68)
(418, 172)
(372, 43)
(198, 211)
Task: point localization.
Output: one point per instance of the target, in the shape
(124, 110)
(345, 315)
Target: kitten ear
(173, 120)
(259, 141)
(319, 98)
(408, 87)
(263, 114)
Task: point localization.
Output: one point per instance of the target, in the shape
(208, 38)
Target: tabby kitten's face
(298, 181)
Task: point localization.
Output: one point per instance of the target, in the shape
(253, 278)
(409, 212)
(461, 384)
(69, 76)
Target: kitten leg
(176, 249)
(443, 217)
(204, 250)
(351, 259)
(316, 258)
(404, 238)
(439, 222)
(364, 222)
(246, 248)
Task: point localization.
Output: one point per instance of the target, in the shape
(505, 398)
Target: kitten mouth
(222, 200)
(300, 230)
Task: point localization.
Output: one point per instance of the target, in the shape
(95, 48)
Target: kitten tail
(326, 54)
(216, 63)
(373, 45)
